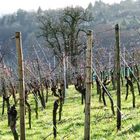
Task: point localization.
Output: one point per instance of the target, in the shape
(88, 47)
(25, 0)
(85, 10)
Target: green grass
(71, 127)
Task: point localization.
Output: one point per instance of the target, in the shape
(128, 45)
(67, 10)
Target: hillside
(127, 14)
(71, 127)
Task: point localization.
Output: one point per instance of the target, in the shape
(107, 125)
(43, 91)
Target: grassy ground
(103, 123)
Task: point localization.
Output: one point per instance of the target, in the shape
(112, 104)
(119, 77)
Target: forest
(71, 73)
(104, 16)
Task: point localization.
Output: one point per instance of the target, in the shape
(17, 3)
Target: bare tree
(63, 28)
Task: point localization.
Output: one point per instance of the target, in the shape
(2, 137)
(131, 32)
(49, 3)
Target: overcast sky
(10, 6)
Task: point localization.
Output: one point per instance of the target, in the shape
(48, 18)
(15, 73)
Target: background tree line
(64, 28)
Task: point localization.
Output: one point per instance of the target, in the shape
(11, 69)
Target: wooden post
(67, 72)
(117, 35)
(21, 84)
(88, 84)
(64, 74)
(124, 62)
(109, 63)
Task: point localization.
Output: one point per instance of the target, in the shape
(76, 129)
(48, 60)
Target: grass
(71, 127)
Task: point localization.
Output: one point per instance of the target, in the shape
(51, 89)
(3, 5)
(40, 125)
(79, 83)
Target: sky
(11, 6)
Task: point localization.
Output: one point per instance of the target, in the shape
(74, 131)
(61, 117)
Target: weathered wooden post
(117, 35)
(109, 63)
(64, 74)
(21, 84)
(88, 84)
(124, 73)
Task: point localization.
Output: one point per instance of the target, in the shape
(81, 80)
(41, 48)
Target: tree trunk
(3, 104)
(60, 109)
(29, 113)
(13, 93)
(138, 78)
(36, 104)
(41, 96)
(55, 107)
